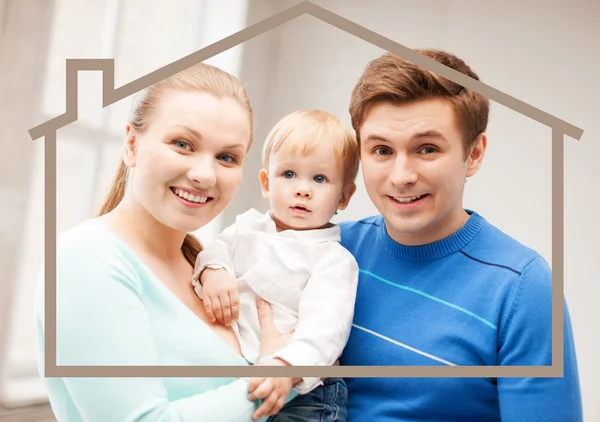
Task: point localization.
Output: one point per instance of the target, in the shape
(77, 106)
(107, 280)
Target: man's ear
(131, 146)
(347, 193)
(263, 178)
(476, 154)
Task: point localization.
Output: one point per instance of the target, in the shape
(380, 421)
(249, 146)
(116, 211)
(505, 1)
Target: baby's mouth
(300, 208)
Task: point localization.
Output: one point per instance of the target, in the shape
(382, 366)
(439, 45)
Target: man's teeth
(190, 196)
(407, 200)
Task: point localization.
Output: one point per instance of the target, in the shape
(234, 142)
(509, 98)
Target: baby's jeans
(325, 403)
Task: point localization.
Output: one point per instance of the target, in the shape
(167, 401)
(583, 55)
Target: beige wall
(22, 55)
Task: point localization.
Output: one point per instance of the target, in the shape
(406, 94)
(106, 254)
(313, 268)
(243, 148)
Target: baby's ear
(263, 178)
(347, 193)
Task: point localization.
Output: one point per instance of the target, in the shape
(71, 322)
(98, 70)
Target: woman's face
(187, 163)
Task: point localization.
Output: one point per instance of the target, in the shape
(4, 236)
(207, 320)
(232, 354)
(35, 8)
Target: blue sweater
(477, 297)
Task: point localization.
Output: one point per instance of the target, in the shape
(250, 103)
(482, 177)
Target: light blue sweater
(477, 297)
(112, 310)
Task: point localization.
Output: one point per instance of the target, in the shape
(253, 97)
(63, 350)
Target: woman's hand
(273, 391)
(271, 340)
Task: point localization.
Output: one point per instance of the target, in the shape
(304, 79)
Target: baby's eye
(319, 178)
(288, 174)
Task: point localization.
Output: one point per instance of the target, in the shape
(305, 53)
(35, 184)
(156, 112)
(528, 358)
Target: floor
(38, 413)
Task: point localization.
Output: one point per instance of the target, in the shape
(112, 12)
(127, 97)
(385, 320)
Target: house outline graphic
(48, 130)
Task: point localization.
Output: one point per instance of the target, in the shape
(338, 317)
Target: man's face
(414, 168)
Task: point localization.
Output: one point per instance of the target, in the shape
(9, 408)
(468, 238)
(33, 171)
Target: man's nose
(404, 171)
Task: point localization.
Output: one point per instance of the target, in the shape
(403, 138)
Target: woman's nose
(203, 172)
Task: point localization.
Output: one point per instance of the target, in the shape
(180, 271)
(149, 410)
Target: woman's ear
(263, 178)
(131, 146)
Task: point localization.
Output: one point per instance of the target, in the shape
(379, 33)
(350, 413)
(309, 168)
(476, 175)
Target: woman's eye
(288, 174)
(228, 158)
(181, 144)
(319, 178)
(382, 151)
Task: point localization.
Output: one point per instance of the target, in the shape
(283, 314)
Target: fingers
(268, 407)
(234, 299)
(225, 308)
(277, 407)
(220, 306)
(277, 389)
(253, 383)
(209, 309)
(263, 390)
(265, 316)
(218, 309)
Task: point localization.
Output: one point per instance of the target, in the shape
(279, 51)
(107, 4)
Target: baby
(291, 257)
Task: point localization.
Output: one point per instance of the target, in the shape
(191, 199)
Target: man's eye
(319, 178)
(382, 151)
(429, 150)
(288, 174)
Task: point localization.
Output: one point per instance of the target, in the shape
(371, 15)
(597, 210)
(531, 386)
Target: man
(439, 285)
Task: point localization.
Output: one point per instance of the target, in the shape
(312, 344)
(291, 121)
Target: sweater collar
(432, 251)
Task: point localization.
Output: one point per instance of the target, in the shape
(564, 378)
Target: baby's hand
(220, 296)
(274, 391)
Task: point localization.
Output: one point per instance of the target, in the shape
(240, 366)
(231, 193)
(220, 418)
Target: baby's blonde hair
(303, 130)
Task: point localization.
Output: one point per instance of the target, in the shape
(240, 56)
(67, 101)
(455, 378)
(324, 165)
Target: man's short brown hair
(399, 81)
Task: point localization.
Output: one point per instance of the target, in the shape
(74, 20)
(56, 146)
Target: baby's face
(304, 191)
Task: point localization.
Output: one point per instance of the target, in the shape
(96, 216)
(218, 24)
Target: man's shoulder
(354, 232)
(364, 224)
(494, 245)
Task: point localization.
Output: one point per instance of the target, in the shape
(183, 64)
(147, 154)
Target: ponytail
(191, 248)
(117, 190)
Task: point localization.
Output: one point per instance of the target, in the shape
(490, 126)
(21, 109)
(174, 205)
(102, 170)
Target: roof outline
(112, 95)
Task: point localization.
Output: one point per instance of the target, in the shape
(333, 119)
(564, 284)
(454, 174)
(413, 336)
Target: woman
(124, 292)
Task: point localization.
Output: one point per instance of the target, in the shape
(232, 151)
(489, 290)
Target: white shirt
(308, 278)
